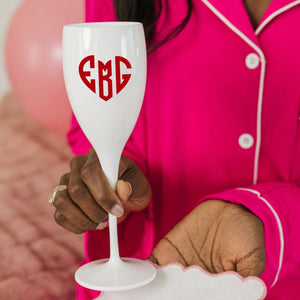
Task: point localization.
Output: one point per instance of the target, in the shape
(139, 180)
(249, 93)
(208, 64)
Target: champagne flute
(105, 75)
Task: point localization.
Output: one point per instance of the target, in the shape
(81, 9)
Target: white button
(246, 141)
(252, 61)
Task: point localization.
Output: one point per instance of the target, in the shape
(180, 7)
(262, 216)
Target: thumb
(124, 190)
(132, 187)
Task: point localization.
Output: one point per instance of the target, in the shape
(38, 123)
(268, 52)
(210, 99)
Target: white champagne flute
(105, 75)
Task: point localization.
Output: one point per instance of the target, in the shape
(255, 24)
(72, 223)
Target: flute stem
(113, 236)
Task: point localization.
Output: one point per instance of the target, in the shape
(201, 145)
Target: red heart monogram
(106, 78)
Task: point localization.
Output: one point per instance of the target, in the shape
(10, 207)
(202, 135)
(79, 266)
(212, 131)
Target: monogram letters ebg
(106, 75)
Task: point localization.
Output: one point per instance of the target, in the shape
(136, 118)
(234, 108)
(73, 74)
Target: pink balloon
(34, 59)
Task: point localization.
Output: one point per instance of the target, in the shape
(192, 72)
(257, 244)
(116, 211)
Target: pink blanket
(37, 257)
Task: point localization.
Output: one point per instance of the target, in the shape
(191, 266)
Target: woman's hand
(89, 198)
(218, 236)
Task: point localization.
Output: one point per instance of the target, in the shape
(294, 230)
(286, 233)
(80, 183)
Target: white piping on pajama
(261, 82)
(275, 14)
(280, 229)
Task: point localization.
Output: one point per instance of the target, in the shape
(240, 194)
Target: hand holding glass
(105, 75)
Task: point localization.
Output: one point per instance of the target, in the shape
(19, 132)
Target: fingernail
(117, 210)
(124, 190)
(101, 225)
(130, 188)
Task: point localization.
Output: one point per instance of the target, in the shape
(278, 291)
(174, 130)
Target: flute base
(119, 275)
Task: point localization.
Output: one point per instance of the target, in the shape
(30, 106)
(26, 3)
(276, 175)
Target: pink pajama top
(220, 120)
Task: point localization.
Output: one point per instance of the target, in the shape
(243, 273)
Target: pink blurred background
(37, 257)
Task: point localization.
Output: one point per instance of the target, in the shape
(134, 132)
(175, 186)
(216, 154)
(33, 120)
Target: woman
(211, 172)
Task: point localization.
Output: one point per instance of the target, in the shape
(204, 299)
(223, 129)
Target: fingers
(62, 221)
(70, 216)
(153, 259)
(253, 261)
(89, 198)
(76, 209)
(252, 264)
(133, 187)
(167, 252)
(81, 196)
(244, 242)
(180, 246)
(99, 187)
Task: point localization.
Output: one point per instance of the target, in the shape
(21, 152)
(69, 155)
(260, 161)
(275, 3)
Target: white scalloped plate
(173, 282)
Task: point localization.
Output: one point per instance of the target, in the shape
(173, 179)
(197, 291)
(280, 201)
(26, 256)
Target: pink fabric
(200, 98)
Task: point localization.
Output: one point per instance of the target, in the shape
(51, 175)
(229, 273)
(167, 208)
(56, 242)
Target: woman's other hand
(218, 236)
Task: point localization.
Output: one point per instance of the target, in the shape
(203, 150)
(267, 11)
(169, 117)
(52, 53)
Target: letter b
(105, 81)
